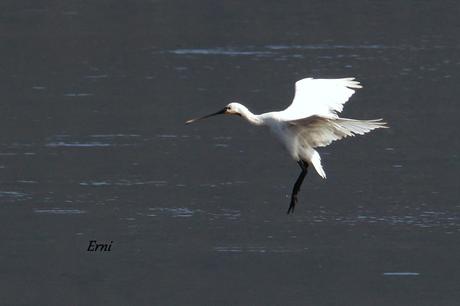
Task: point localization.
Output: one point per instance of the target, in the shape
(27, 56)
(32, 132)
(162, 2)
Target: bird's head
(233, 108)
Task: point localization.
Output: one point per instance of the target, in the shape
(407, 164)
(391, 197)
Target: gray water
(94, 147)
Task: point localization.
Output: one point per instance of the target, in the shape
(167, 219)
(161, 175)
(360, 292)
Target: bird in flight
(310, 121)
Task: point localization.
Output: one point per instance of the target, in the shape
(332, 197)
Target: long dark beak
(222, 111)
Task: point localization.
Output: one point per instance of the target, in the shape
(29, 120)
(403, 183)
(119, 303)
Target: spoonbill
(310, 121)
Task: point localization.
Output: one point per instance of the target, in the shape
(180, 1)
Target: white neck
(240, 109)
(250, 117)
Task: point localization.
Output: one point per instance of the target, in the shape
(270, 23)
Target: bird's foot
(292, 205)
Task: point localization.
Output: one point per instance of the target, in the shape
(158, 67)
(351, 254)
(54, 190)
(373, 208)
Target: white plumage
(310, 121)
(321, 97)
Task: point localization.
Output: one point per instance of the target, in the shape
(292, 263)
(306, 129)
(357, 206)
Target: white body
(311, 120)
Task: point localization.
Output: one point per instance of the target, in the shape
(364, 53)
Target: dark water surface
(93, 147)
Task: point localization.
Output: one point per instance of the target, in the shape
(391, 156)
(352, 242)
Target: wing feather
(316, 131)
(322, 97)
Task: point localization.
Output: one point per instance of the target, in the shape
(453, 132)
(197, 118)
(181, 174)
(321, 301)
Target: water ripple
(60, 211)
(220, 51)
(94, 140)
(77, 144)
(186, 212)
(285, 51)
(400, 274)
(257, 249)
(123, 182)
(425, 219)
(12, 194)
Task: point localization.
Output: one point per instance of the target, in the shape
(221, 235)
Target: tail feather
(315, 159)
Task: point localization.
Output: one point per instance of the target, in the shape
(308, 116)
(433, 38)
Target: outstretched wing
(321, 97)
(316, 131)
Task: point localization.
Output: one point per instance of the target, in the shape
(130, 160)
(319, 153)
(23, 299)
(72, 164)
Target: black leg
(298, 183)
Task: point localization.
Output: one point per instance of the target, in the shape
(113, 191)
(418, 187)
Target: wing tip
(381, 124)
(351, 83)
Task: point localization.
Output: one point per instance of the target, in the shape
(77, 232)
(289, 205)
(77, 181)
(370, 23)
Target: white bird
(310, 121)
